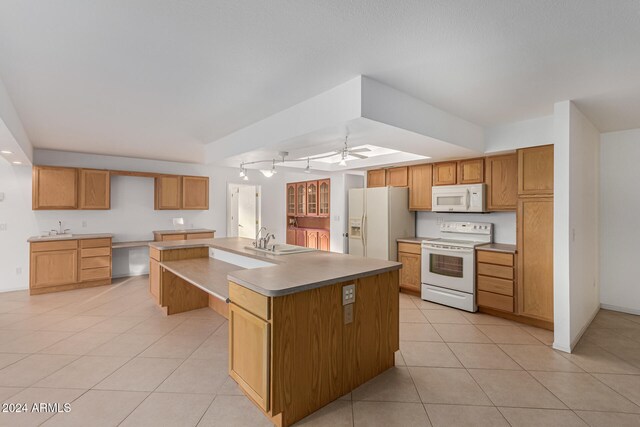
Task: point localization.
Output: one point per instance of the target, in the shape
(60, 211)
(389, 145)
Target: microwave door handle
(467, 198)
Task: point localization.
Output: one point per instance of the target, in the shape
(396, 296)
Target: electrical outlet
(439, 220)
(3, 227)
(348, 314)
(19, 271)
(349, 294)
(84, 224)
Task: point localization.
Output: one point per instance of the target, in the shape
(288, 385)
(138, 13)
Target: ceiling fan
(345, 151)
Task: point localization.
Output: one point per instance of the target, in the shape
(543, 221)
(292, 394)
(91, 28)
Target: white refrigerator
(377, 217)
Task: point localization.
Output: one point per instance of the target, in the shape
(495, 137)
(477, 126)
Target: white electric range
(449, 264)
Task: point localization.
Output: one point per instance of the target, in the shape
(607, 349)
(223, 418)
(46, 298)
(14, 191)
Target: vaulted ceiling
(160, 78)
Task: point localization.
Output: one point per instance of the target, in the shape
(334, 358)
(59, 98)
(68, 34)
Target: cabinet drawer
(200, 236)
(498, 302)
(168, 237)
(54, 246)
(95, 274)
(249, 300)
(499, 258)
(95, 243)
(95, 262)
(493, 284)
(91, 252)
(412, 248)
(495, 270)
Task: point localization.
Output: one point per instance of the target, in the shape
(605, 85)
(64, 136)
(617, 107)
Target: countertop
(185, 231)
(412, 239)
(208, 274)
(71, 237)
(290, 274)
(498, 247)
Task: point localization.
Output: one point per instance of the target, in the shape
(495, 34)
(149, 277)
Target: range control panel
(467, 227)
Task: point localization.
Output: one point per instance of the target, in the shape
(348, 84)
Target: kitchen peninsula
(304, 328)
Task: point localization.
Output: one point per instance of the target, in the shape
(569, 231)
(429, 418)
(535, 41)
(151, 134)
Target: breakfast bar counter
(304, 328)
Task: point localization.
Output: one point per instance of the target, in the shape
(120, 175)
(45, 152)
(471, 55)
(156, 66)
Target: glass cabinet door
(301, 194)
(323, 197)
(312, 198)
(291, 199)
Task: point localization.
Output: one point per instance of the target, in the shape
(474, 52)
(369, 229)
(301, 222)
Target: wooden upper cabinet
(291, 199)
(445, 173)
(312, 198)
(397, 177)
(195, 192)
(502, 182)
(168, 193)
(535, 257)
(95, 189)
(324, 197)
(535, 170)
(301, 198)
(376, 178)
(54, 188)
(471, 171)
(420, 183)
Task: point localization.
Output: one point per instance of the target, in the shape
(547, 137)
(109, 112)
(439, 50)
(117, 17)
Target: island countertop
(69, 237)
(289, 273)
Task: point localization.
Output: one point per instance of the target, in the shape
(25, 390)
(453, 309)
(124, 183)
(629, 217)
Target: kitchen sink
(56, 236)
(282, 249)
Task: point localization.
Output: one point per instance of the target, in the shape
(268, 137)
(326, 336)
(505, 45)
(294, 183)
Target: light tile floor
(117, 359)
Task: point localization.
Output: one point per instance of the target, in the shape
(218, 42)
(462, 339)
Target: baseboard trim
(561, 348)
(621, 309)
(25, 288)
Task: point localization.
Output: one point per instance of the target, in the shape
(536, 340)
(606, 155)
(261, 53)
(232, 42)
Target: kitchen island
(304, 328)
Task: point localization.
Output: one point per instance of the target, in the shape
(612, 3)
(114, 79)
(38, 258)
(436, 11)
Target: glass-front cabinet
(301, 198)
(324, 197)
(312, 198)
(291, 199)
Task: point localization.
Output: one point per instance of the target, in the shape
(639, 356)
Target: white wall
(619, 207)
(504, 224)
(576, 222)
(526, 133)
(132, 216)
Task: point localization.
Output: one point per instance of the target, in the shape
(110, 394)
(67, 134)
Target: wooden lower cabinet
(495, 280)
(323, 240)
(291, 236)
(409, 254)
(312, 239)
(165, 237)
(293, 354)
(69, 264)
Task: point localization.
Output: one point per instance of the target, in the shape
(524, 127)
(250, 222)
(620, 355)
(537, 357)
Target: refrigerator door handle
(364, 235)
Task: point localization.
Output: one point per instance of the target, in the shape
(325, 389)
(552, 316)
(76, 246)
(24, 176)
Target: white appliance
(449, 264)
(458, 198)
(377, 217)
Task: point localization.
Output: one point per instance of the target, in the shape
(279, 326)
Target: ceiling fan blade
(358, 156)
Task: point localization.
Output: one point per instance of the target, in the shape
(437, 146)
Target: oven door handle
(448, 250)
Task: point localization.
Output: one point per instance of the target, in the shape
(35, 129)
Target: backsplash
(504, 224)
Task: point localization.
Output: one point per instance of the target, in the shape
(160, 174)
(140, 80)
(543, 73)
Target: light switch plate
(349, 294)
(3, 227)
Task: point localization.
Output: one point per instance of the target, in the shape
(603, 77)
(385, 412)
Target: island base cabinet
(305, 350)
(249, 344)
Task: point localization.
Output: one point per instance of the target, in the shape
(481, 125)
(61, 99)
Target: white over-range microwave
(458, 198)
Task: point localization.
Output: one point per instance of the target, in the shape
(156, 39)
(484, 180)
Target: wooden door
(535, 170)
(291, 199)
(502, 182)
(195, 193)
(324, 197)
(53, 268)
(535, 257)
(54, 188)
(397, 177)
(154, 280)
(324, 240)
(301, 237)
(168, 193)
(291, 236)
(376, 178)
(301, 198)
(420, 179)
(95, 189)
(312, 198)
(312, 239)
(410, 272)
(471, 171)
(445, 173)
(249, 344)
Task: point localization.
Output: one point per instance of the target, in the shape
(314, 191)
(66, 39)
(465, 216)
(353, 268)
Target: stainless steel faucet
(60, 230)
(260, 241)
(267, 238)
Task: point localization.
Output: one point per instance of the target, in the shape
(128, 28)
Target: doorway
(243, 210)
